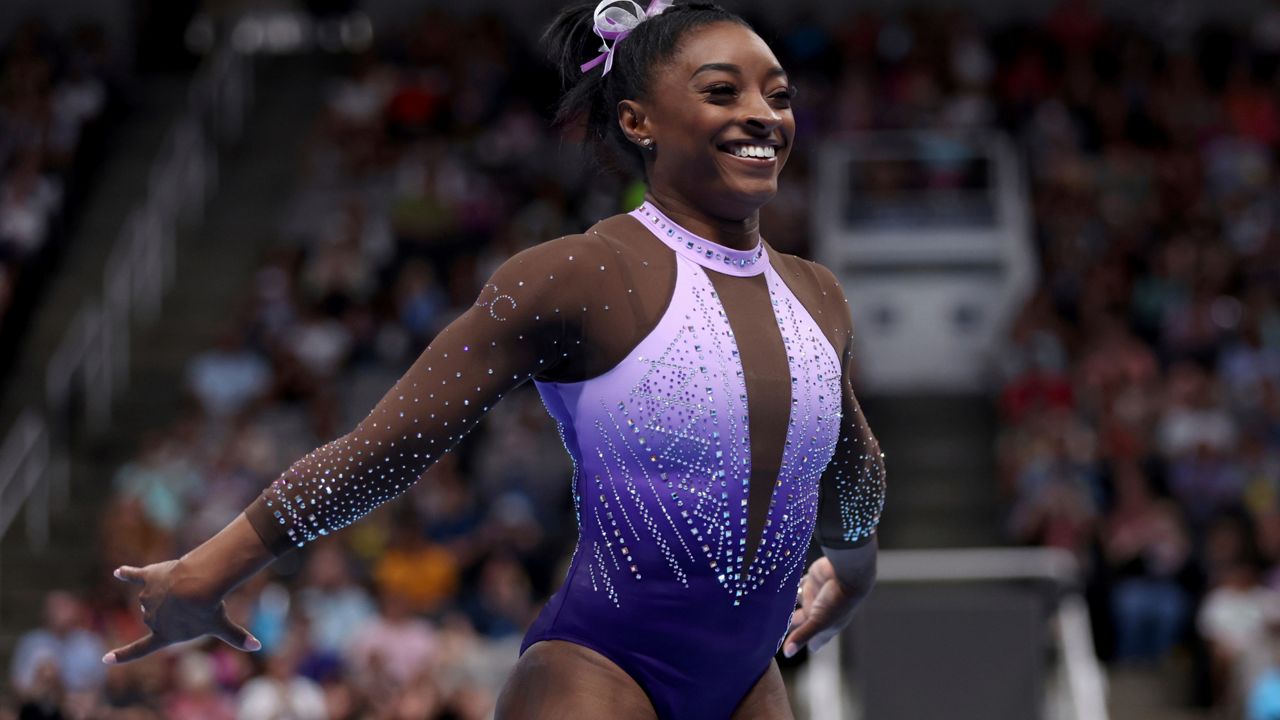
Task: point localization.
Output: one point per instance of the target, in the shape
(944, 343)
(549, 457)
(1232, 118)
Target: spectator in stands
(522, 454)
(394, 647)
(503, 603)
(1234, 620)
(226, 379)
(338, 272)
(197, 696)
(320, 343)
(79, 98)
(163, 478)
(43, 697)
(1115, 361)
(28, 201)
(1060, 512)
(448, 512)
(270, 618)
(126, 531)
(333, 603)
(281, 691)
(1145, 542)
(1263, 696)
(420, 302)
(229, 471)
(415, 571)
(63, 653)
(1246, 364)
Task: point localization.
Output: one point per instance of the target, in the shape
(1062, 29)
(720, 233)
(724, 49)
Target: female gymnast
(700, 382)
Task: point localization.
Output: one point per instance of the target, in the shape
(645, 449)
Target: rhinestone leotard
(703, 395)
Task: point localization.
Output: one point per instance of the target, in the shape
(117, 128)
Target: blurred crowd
(1139, 388)
(56, 93)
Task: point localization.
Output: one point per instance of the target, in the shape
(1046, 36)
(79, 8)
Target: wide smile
(754, 155)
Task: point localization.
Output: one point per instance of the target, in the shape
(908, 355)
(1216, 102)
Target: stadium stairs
(215, 265)
(940, 460)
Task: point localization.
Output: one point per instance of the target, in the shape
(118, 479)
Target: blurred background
(226, 228)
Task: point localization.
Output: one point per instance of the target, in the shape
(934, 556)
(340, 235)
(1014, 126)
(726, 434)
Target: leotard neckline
(708, 254)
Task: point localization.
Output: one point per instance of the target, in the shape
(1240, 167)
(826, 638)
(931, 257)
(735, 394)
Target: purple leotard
(662, 459)
(703, 395)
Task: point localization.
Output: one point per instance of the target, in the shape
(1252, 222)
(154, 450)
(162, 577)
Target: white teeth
(755, 151)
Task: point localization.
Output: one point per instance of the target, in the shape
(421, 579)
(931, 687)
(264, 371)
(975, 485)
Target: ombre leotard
(703, 395)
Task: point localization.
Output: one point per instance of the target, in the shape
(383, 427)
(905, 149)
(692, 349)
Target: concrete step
(939, 455)
(1150, 693)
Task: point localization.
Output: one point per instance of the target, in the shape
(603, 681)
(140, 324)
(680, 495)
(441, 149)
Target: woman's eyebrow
(774, 71)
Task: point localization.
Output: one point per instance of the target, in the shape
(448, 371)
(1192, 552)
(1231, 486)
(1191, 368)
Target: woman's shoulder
(563, 251)
(798, 269)
(562, 263)
(602, 263)
(603, 241)
(814, 285)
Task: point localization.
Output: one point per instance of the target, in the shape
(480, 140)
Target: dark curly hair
(592, 98)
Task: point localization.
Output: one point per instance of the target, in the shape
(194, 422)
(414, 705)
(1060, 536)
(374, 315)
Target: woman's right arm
(526, 320)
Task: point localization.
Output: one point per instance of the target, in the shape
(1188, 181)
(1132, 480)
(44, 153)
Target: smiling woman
(700, 381)
(687, 110)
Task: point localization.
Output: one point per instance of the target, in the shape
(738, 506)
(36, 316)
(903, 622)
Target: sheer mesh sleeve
(526, 321)
(852, 491)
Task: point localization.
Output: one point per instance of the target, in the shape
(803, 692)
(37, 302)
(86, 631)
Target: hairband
(614, 21)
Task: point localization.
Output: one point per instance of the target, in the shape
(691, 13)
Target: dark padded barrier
(967, 651)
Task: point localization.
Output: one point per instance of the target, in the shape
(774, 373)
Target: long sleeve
(520, 326)
(852, 490)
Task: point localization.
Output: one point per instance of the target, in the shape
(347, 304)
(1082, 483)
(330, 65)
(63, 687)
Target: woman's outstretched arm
(520, 326)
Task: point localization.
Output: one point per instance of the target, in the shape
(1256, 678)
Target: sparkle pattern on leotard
(662, 487)
(671, 470)
(811, 436)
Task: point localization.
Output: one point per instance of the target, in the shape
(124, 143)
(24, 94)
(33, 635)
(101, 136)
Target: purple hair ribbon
(614, 21)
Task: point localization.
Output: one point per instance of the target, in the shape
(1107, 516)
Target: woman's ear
(634, 122)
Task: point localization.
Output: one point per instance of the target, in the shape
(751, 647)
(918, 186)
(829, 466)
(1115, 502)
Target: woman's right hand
(176, 609)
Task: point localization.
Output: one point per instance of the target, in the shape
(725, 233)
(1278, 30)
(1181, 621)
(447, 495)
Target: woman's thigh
(767, 699)
(556, 679)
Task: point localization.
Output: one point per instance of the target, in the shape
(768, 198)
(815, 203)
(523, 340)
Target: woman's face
(723, 96)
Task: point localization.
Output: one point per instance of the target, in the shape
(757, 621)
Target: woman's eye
(787, 94)
(724, 90)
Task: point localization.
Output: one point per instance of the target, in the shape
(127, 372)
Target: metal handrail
(24, 461)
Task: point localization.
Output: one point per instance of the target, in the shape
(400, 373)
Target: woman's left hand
(826, 606)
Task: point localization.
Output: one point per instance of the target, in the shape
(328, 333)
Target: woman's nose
(762, 115)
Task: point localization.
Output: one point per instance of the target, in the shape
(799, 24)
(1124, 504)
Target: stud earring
(647, 143)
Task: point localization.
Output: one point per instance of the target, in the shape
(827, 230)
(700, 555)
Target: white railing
(24, 463)
(1079, 690)
(90, 365)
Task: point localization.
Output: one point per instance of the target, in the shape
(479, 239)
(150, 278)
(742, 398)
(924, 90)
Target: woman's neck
(741, 234)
